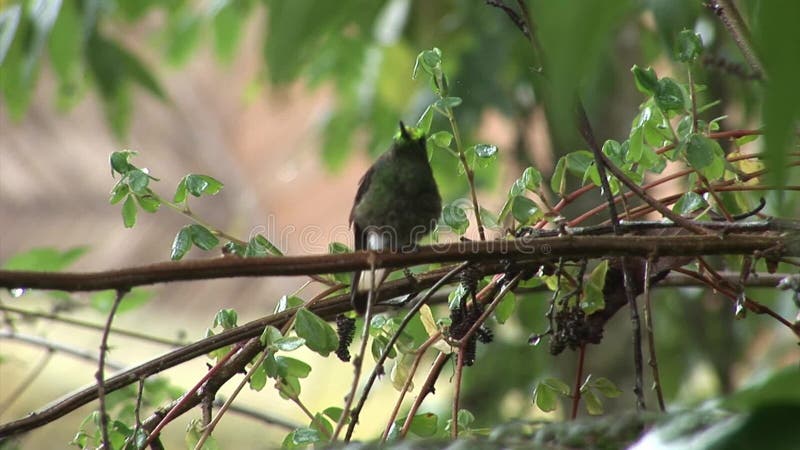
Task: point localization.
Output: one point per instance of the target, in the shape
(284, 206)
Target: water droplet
(741, 311)
(17, 292)
(535, 339)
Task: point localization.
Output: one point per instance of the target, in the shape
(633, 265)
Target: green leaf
(556, 385)
(615, 152)
(319, 335)
(270, 335)
(198, 185)
(182, 35)
(180, 192)
(287, 302)
(225, 318)
(258, 378)
(558, 182)
(259, 246)
(148, 203)
(777, 40)
(306, 436)
(430, 61)
(9, 21)
(423, 425)
(606, 387)
(181, 244)
(456, 218)
(532, 179)
(291, 367)
(425, 120)
(578, 162)
(129, 212)
(669, 95)
(505, 308)
(289, 343)
(338, 248)
(545, 398)
(45, 259)
(103, 301)
(228, 23)
(464, 418)
(441, 139)
(137, 181)
(645, 79)
(488, 218)
(635, 145)
(701, 153)
(593, 299)
(288, 387)
(688, 46)
(525, 210)
(203, 238)
(688, 203)
(447, 103)
(334, 412)
(769, 388)
(400, 372)
(65, 48)
(593, 404)
(120, 161)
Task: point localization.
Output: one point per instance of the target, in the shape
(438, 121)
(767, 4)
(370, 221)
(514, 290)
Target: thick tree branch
(529, 248)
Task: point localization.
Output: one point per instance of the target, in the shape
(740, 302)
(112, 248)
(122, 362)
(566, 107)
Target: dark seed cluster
(462, 319)
(345, 328)
(571, 330)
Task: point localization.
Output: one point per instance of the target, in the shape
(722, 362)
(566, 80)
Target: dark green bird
(397, 203)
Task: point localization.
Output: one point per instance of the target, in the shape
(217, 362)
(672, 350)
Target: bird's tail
(359, 288)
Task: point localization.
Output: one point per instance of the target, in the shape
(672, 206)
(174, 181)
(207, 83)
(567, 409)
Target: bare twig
(89, 325)
(651, 342)
(730, 17)
(358, 361)
(576, 393)
(427, 388)
(457, 390)
(101, 388)
(420, 352)
(185, 400)
(406, 320)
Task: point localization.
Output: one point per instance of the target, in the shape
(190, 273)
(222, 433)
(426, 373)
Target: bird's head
(410, 138)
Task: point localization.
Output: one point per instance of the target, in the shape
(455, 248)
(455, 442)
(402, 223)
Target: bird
(397, 203)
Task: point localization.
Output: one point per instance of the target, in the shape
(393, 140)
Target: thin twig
(637, 336)
(382, 359)
(420, 352)
(137, 412)
(730, 17)
(752, 305)
(90, 325)
(228, 403)
(427, 388)
(100, 374)
(576, 393)
(651, 341)
(457, 390)
(358, 361)
(185, 399)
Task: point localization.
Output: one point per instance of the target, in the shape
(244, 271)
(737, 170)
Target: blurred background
(287, 103)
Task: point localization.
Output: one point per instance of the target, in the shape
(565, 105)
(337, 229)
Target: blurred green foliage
(366, 50)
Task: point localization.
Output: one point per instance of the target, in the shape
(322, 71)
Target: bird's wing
(363, 184)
